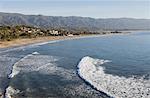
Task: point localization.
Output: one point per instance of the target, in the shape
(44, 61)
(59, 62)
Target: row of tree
(13, 32)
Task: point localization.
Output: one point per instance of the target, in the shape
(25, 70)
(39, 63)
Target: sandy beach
(26, 41)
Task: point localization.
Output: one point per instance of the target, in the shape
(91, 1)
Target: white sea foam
(10, 91)
(119, 87)
(36, 62)
(35, 53)
(43, 64)
(31, 62)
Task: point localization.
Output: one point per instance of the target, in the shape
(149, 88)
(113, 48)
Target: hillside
(73, 22)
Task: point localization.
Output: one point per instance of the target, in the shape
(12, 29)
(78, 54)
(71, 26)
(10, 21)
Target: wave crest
(32, 62)
(90, 70)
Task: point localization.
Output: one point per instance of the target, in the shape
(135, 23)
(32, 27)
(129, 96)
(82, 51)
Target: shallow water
(51, 71)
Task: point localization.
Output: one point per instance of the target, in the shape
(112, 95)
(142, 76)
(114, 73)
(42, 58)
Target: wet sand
(26, 41)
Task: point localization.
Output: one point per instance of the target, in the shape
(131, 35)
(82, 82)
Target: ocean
(113, 66)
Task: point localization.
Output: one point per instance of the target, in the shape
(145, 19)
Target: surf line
(89, 84)
(12, 74)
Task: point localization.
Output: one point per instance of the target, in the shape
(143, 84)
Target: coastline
(28, 41)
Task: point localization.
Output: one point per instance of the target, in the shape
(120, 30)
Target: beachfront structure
(70, 35)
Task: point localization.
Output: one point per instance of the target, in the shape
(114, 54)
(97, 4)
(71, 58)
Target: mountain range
(72, 22)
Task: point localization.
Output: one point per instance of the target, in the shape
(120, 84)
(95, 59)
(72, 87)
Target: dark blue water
(129, 55)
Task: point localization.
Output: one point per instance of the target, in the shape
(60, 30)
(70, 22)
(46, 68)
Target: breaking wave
(43, 64)
(32, 62)
(90, 70)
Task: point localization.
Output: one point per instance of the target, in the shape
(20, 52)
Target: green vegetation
(8, 33)
(13, 32)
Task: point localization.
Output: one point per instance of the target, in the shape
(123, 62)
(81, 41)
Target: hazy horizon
(76, 16)
(139, 9)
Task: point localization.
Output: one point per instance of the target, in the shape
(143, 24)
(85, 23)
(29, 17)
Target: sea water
(96, 67)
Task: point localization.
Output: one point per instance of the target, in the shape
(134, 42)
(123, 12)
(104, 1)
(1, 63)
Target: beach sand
(26, 41)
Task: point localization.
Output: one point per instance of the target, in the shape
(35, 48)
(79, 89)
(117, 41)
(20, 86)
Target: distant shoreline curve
(30, 41)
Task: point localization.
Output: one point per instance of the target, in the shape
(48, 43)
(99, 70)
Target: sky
(84, 8)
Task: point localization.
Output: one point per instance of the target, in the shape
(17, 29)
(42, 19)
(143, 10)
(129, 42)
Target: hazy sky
(86, 8)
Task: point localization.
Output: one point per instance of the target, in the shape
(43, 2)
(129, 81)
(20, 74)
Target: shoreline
(30, 41)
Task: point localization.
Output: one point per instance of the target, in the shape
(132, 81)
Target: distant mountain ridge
(74, 22)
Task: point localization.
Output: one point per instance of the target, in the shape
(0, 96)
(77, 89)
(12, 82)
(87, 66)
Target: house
(29, 31)
(54, 32)
(70, 35)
